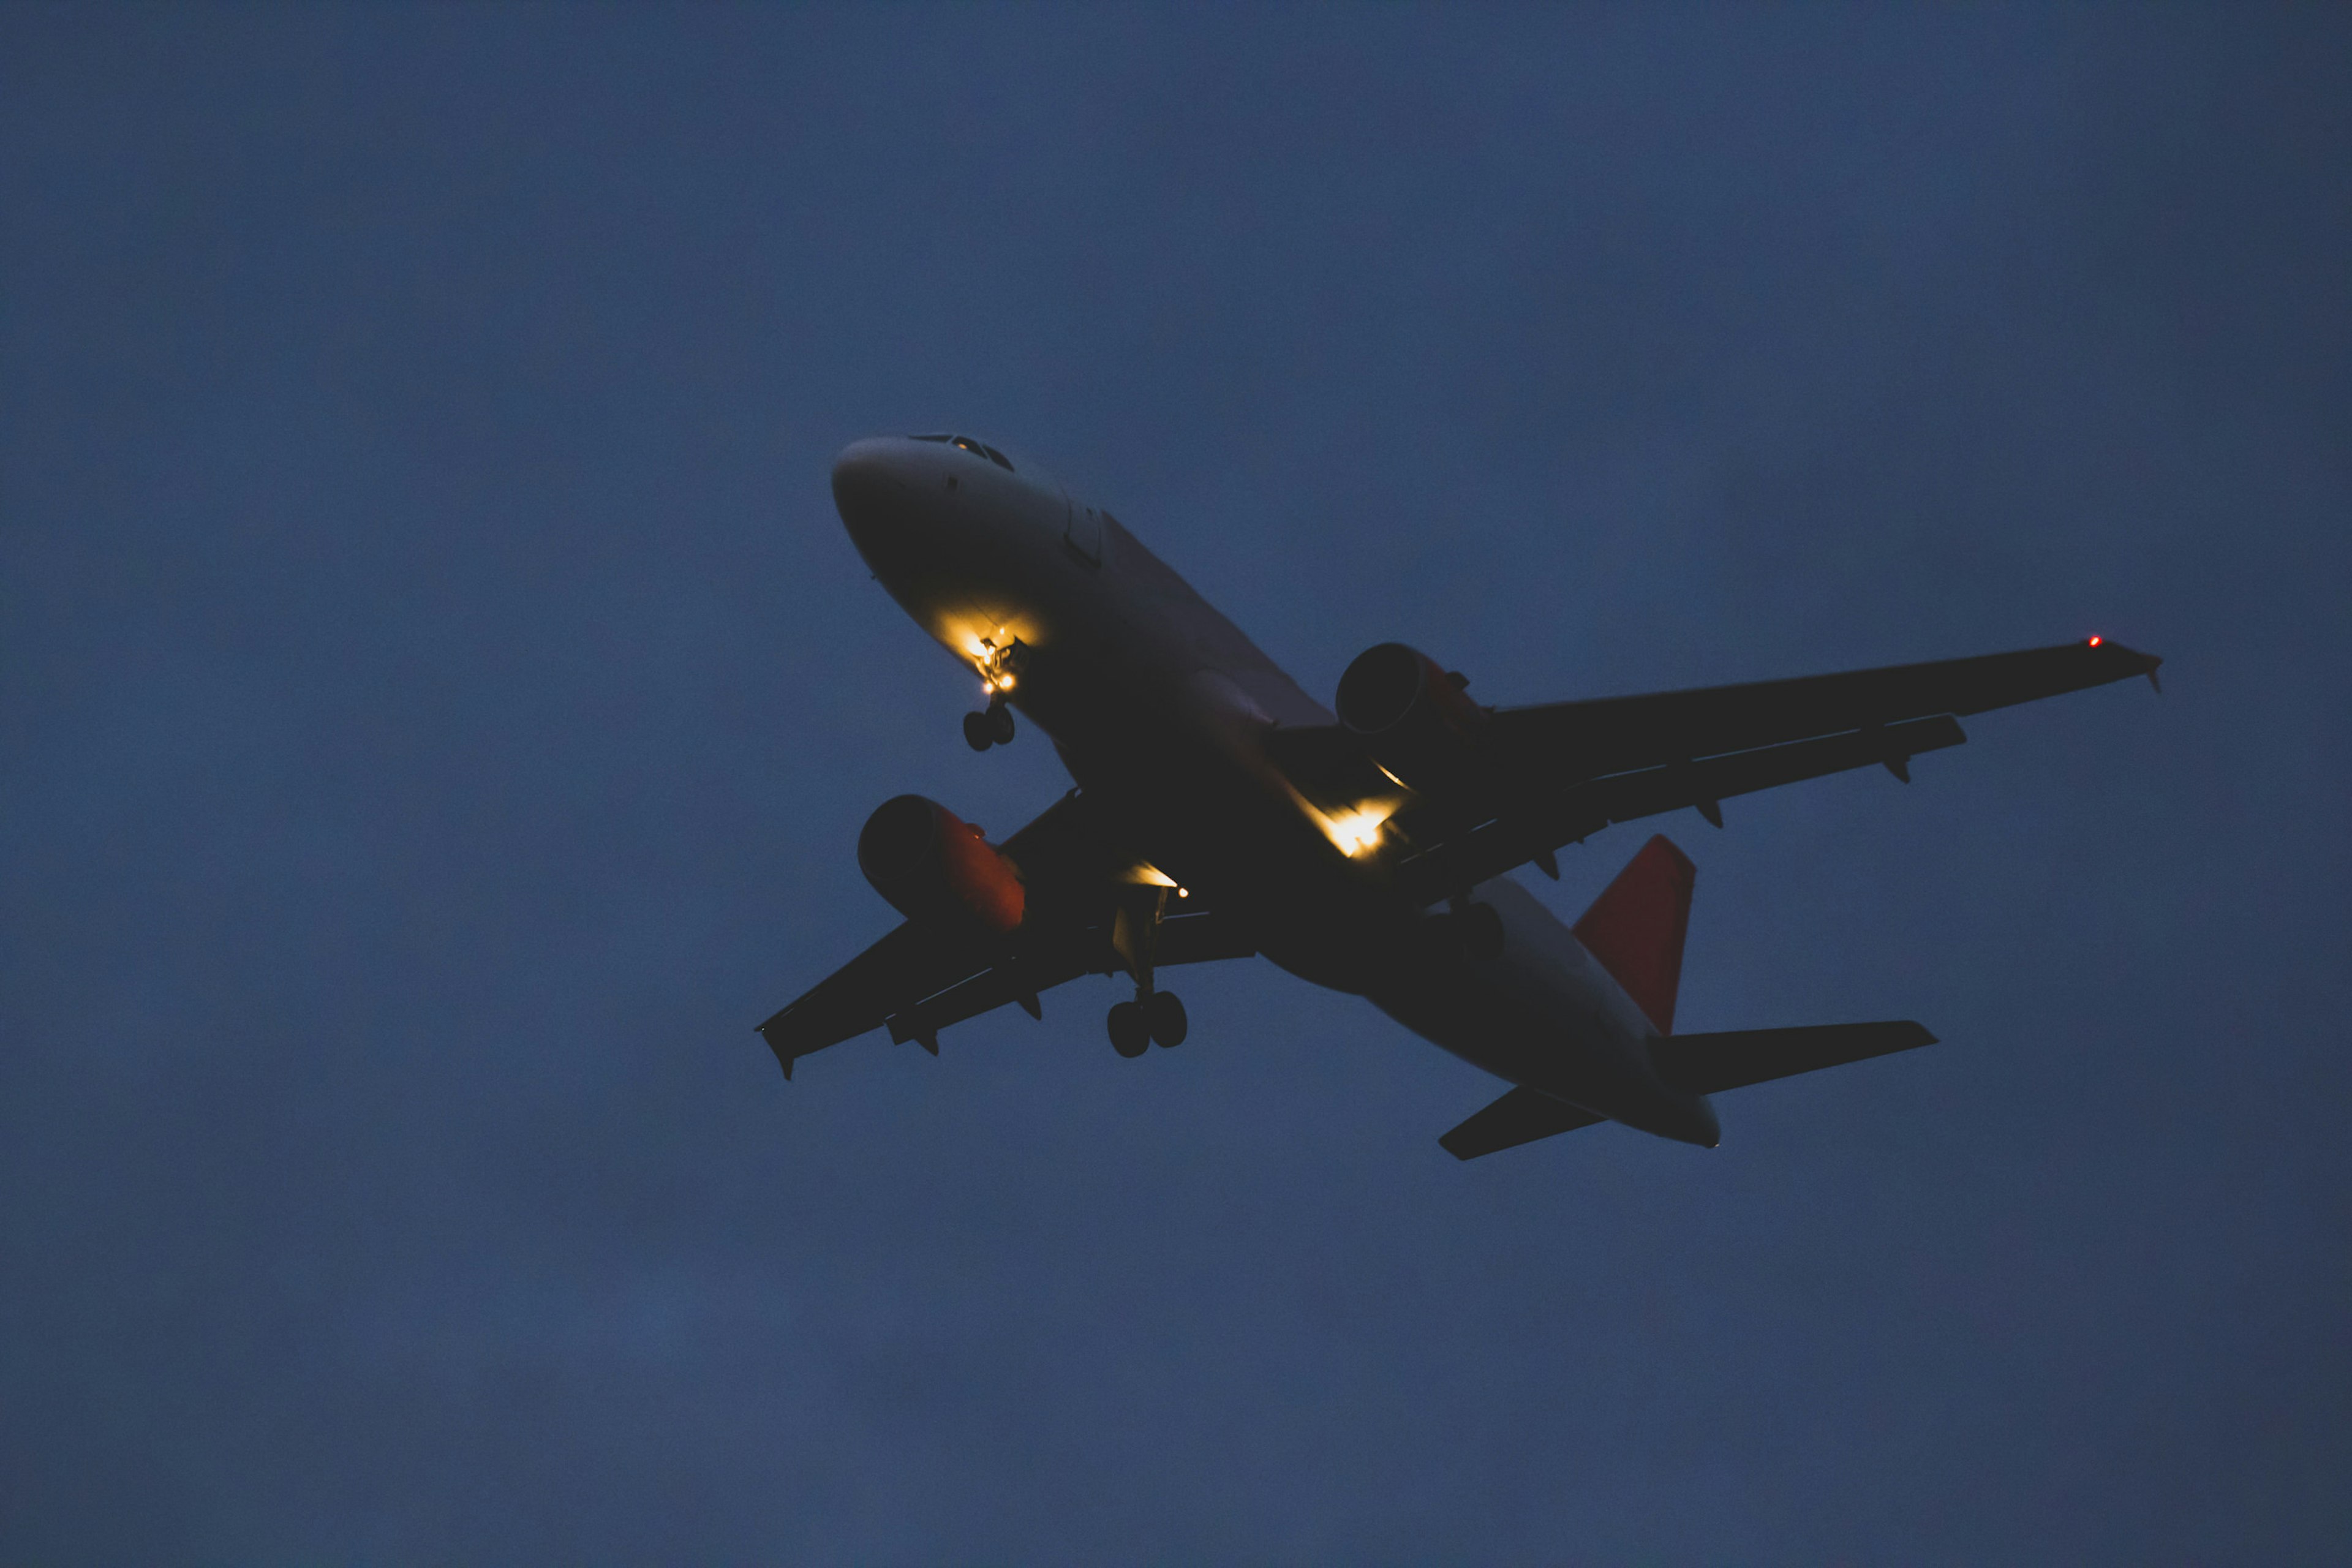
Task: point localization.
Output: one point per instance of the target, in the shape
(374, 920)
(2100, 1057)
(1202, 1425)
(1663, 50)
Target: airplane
(1219, 812)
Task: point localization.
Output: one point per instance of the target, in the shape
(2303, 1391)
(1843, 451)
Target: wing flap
(984, 992)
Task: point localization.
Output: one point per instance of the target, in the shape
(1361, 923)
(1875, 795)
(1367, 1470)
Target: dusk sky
(438, 703)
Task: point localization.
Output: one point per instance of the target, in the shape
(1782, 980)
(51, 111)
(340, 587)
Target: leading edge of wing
(1613, 734)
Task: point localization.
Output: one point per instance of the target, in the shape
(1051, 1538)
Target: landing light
(2096, 641)
(1358, 832)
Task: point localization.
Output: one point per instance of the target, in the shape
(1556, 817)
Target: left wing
(929, 974)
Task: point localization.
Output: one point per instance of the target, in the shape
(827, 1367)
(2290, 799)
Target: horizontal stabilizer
(1705, 1063)
(1521, 1116)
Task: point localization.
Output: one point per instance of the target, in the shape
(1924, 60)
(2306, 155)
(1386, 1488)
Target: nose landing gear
(991, 727)
(998, 668)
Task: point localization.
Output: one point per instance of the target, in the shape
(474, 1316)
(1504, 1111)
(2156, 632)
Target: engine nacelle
(1414, 718)
(932, 865)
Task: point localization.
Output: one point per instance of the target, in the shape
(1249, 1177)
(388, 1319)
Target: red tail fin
(1636, 928)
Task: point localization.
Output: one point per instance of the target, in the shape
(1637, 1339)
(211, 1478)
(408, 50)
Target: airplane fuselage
(1158, 705)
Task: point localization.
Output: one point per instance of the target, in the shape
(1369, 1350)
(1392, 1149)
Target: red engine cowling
(1414, 718)
(932, 865)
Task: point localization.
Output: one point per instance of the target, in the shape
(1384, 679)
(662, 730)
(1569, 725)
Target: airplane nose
(865, 481)
(871, 492)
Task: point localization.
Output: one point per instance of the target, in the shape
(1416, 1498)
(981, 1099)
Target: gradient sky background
(439, 703)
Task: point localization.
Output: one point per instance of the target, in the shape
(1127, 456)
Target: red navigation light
(2096, 641)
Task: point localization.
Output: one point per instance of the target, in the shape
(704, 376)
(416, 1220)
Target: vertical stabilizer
(1636, 928)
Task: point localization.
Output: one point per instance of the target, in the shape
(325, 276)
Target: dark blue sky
(437, 704)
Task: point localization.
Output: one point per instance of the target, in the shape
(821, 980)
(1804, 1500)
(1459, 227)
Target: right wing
(1559, 772)
(927, 975)
(1614, 734)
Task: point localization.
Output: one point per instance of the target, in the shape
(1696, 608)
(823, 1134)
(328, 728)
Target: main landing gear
(991, 727)
(1154, 1014)
(1153, 1017)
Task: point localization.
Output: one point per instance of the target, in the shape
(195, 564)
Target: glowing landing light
(1358, 832)
(2096, 641)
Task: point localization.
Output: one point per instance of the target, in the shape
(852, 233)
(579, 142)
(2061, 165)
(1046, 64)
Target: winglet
(2146, 664)
(783, 1057)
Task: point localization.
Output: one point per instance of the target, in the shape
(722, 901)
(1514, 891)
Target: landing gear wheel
(1000, 724)
(1166, 1017)
(979, 731)
(1130, 1032)
(1482, 931)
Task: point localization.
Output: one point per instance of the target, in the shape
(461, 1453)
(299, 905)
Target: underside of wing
(1522, 782)
(1613, 734)
(912, 962)
(1033, 968)
(934, 971)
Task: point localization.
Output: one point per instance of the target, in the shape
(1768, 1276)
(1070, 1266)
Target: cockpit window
(977, 448)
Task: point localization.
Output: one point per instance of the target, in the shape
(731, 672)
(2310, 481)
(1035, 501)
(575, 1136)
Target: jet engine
(932, 865)
(1414, 719)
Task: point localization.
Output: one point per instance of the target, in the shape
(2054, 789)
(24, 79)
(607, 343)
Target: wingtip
(783, 1057)
(2136, 661)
